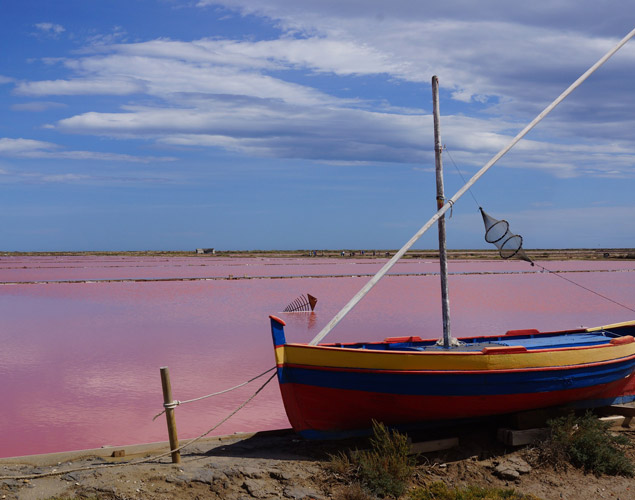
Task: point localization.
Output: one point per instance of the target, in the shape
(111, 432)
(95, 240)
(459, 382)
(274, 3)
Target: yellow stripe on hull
(337, 357)
(611, 326)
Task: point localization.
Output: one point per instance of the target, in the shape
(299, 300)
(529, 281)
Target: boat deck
(529, 342)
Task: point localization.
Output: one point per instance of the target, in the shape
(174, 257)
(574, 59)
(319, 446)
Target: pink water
(82, 339)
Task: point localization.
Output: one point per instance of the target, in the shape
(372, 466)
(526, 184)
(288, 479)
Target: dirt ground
(273, 465)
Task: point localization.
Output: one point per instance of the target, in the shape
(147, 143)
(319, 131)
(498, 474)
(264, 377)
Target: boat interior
(527, 339)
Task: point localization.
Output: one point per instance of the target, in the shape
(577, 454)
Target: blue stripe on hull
(460, 384)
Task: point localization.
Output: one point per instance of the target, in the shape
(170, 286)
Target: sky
(287, 124)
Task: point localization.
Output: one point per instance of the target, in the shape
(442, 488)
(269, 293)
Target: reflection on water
(80, 361)
(303, 321)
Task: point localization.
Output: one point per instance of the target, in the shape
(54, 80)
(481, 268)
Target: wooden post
(169, 414)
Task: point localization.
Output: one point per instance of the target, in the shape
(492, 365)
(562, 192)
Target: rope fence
(162, 455)
(176, 402)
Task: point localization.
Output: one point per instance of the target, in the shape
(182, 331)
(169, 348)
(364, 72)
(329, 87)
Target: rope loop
(451, 202)
(176, 402)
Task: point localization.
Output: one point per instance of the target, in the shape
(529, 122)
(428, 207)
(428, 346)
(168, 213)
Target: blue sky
(242, 124)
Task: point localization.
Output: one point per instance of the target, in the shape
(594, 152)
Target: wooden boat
(332, 389)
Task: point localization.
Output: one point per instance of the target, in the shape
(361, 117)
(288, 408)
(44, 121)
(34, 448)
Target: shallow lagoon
(83, 338)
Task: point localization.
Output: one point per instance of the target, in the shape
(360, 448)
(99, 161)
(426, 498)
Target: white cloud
(22, 176)
(37, 106)
(491, 48)
(341, 57)
(118, 34)
(19, 146)
(263, 97)
(80, 87)
(272, 129)
(29, 148)
(51, 29)
(264, 127)
(64, 178)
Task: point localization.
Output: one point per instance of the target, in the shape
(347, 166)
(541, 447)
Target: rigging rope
(478, 205)
(585, 288)
(532, 263)
(176, 402)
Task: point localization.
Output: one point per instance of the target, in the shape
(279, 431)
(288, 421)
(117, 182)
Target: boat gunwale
(389, 371)
(499, 350)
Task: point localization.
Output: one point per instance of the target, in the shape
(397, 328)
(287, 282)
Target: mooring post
(169, 414)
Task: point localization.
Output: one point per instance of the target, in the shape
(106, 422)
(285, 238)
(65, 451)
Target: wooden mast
(388, 266)
(443, 254)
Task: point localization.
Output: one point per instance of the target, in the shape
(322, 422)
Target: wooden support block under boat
(433, 445)
(625, 411)
(617, 422)
(512, 437)
(628, 412)
(536, 418)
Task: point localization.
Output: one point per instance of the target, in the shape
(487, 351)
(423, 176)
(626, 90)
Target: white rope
(176, 402)
(143, 460)
(557, 273)
(222, 421)
(380, 274)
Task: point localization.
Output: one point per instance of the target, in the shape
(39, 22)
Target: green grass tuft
(440, 491)
(585, 442)
(385, 469)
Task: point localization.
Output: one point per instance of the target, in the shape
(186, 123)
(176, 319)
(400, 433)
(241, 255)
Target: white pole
(380, 274)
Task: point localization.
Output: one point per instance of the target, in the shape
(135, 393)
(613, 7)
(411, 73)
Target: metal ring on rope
(502, 221)
(514, 251)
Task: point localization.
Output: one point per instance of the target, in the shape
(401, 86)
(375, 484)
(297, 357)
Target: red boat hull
(333, 389)
(314, 410)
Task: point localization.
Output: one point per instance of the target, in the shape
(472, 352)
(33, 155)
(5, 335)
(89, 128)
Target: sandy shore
(271, 464)
(278, 464)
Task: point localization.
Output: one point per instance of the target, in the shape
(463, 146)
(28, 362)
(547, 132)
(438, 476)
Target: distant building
(206, 250)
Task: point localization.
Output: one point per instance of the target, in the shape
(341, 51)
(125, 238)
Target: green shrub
(586, 442)
(385, 469)
(440, 491)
